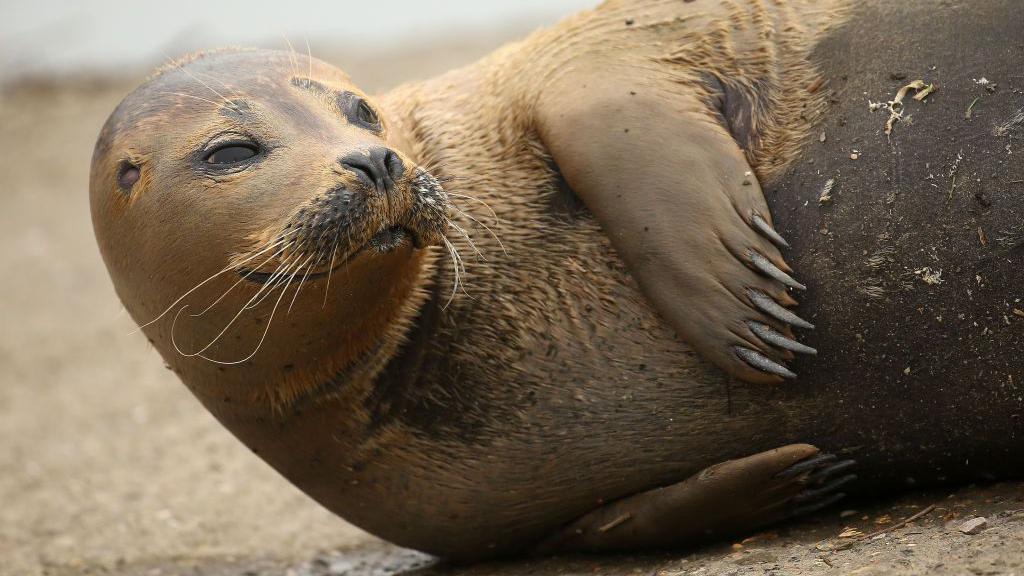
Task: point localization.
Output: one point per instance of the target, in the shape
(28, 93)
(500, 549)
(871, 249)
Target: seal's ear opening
(127, 175)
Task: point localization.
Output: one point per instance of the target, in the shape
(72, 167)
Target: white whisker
(242, 279)
(226, 327)
(291, 55)
(468, 239)
(327, 289)
(455, 262)
(493, 235)
(309, 54)
(198, 286)
(197, 79)
(303, 281)
(473, 198)
(216, 104)
(259, 344)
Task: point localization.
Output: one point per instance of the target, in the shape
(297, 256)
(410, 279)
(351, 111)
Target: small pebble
(854, 156)
(974, 525)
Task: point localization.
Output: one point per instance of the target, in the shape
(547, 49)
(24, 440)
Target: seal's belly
(555, 385)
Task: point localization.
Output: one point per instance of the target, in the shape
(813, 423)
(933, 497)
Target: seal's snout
(378, 168)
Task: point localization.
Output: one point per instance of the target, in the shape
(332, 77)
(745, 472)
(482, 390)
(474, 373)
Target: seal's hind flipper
(674, 192)
(723, 500)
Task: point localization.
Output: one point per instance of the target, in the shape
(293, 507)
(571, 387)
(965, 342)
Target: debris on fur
(929, 276)
(895, 107)
(826, 191)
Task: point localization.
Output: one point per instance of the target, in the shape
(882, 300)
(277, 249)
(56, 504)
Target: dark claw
(763, 363)
(766, 304)
(772, 271)
(817, 493)
(822, 494)
(765, 333)
(817, 505)
(820, 475)
(764, 228)
(805, 465)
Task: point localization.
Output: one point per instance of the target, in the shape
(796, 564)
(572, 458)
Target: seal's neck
(402, 375)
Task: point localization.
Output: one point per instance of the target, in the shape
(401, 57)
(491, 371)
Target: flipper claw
(766, 229)
(805, 465)
(765, 333)
(763, 363)
(771, 270)
(766, 304)
(814, 507)
(817, 493)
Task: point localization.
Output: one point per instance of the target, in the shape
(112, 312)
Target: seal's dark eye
(231, 154)
(366, 114)
(127, 175)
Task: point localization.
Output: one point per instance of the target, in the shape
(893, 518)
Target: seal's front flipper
(726, 499)
(674, 192)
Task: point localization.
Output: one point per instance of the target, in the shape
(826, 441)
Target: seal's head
(255, 209)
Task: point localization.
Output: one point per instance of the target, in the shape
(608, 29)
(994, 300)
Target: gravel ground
(108, 466)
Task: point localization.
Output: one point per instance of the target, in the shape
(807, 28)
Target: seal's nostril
(379, 167)
(363, 167)
(393, 164)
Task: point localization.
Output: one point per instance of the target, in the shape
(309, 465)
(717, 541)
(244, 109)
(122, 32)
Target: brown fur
(549, 384)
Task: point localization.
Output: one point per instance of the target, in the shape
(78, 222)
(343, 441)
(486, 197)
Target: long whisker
(291, 55)
(259, 344)
(455, 263)
(234, 93)
(197, 79)
(284, 271)
(334, 251)
(475, 199)
(233, 286)
(225, 329)
(309, 268)
(198, 286)
(466, 235)
(303, 281)
(309, 54)
(486, 227)
(216, 104)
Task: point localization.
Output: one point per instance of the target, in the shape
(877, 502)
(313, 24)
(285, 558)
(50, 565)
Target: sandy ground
(109, 466)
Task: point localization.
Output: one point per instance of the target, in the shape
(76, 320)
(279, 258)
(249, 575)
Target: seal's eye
(366, 114)
(231, 154)
(127, 175)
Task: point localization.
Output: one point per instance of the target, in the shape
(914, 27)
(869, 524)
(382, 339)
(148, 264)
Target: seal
(533, 303)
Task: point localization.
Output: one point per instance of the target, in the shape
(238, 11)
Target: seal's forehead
(231, 73)
(227, 78)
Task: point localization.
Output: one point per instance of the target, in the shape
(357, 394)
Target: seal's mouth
(338, 226)
(387, 240)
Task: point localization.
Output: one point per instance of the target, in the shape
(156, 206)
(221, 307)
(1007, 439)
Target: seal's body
(620, 269)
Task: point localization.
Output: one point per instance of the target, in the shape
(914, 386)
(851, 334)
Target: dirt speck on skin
(109, 467)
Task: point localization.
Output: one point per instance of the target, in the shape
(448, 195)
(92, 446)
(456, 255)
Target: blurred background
(107, 464)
